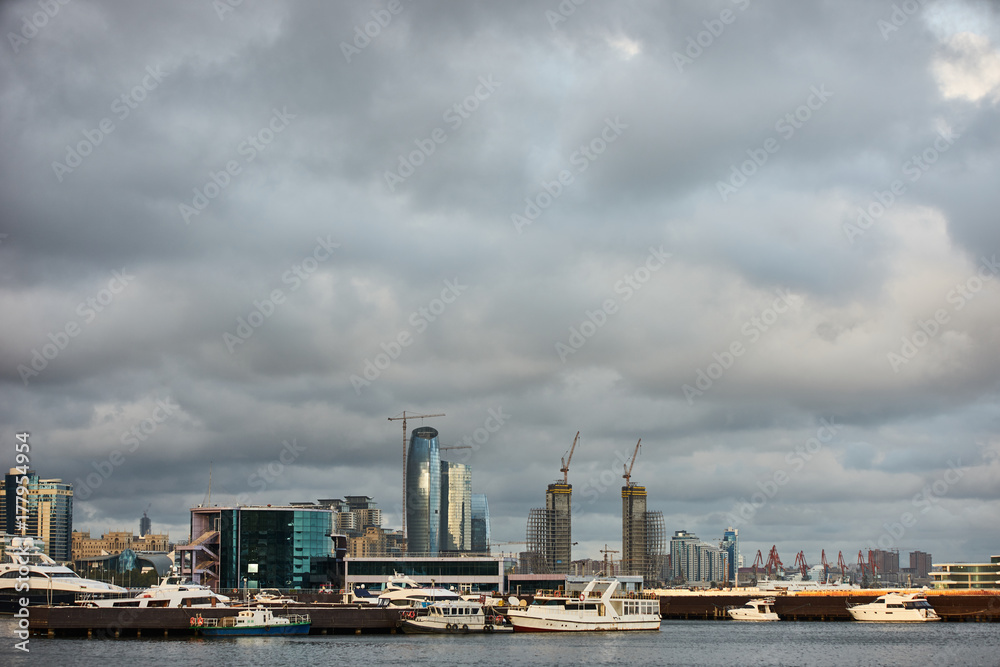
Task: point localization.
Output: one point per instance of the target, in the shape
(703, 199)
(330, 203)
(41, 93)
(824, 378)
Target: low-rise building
(955, 576)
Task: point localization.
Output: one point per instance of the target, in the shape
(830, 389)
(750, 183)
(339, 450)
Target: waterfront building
(47, 511)
(423, 492)
(114, 542)
(471, 574)
(456, 508)
(696, 562)
(731, 545)
(260, 547)
(480, 524)
(970, 576)
(921, 564)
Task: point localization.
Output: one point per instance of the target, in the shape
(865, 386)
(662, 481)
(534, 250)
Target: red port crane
(800, 562)
(826, 568)
(759, 560)
(773, 560)
(861, 564)
(843, 567)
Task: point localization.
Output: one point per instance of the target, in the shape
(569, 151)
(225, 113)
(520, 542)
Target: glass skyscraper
(731, 545)
(480, 523)
(48, 507)
(423, 492)
(456, 507)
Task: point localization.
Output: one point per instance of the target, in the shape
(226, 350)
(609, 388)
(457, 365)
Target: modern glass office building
(731, 545)
(456, 507)
(423, 492)
(259, 547)
(48, 508)
(480, 523)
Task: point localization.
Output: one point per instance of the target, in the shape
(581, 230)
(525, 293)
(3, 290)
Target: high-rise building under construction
(643, 536)
(550, 531)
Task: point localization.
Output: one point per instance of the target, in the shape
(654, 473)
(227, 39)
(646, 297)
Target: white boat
(895, 608)
(26, 572)
(172, 592)
(402, 591)
(754, 610)
(591, 610)
(454, 616)
(272, 596)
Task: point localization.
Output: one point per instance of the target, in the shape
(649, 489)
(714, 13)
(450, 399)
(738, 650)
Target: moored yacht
(454, 616)
(591, 610)
(895, 608)
(754, 610)
(173, 591)
(26, 572)
(402, 591)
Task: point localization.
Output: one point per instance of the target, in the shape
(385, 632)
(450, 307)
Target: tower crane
(404, 417)
(565, 460)
(628, 471)
(607, 551)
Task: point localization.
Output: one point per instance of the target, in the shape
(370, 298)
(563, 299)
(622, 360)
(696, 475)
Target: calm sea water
(677, 643)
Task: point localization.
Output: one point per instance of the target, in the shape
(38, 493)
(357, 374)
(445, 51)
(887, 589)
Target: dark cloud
(474, 207)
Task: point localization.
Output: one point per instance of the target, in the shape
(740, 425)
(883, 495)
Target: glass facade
(423, 492)
(456, 507)
(49, 510)
(273, 547)
(731, 545)
(480, 523)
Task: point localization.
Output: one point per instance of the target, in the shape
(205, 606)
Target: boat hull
(415, 627)
(532, 624)
(10, 599)
(256, 631)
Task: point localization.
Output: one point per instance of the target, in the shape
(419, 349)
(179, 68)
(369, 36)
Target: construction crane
(404, 417)
(566, 459)
(800, 562)
(628, 471)
(826, 567)
(872, 567)
(607, 551)
(455, 447)
(861, 566)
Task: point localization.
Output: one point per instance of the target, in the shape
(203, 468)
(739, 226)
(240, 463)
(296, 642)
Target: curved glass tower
(423, 492)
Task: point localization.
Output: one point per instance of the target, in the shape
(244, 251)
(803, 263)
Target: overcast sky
(761, 237)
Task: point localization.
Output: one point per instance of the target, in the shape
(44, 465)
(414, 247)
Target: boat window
(894, 606)
(158, 603)
(127, 603)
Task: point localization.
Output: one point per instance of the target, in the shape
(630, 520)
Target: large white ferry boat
(591, 610)
(895, 608)
(172, 592)
(26, 572)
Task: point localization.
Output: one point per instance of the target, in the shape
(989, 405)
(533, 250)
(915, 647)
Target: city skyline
(237, 237)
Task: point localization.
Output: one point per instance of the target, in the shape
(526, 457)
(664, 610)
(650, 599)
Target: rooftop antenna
(207, 502)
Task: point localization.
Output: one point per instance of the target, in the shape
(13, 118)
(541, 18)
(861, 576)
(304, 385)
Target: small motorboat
(754, 610)
(252, 623)
(895, 608)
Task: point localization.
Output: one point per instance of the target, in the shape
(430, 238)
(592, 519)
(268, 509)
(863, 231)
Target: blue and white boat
(253, 623)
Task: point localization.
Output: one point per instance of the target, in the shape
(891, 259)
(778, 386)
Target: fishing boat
(253, 623)
(754, 610)
(451, 616)
(591, 610)
(895, 608)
